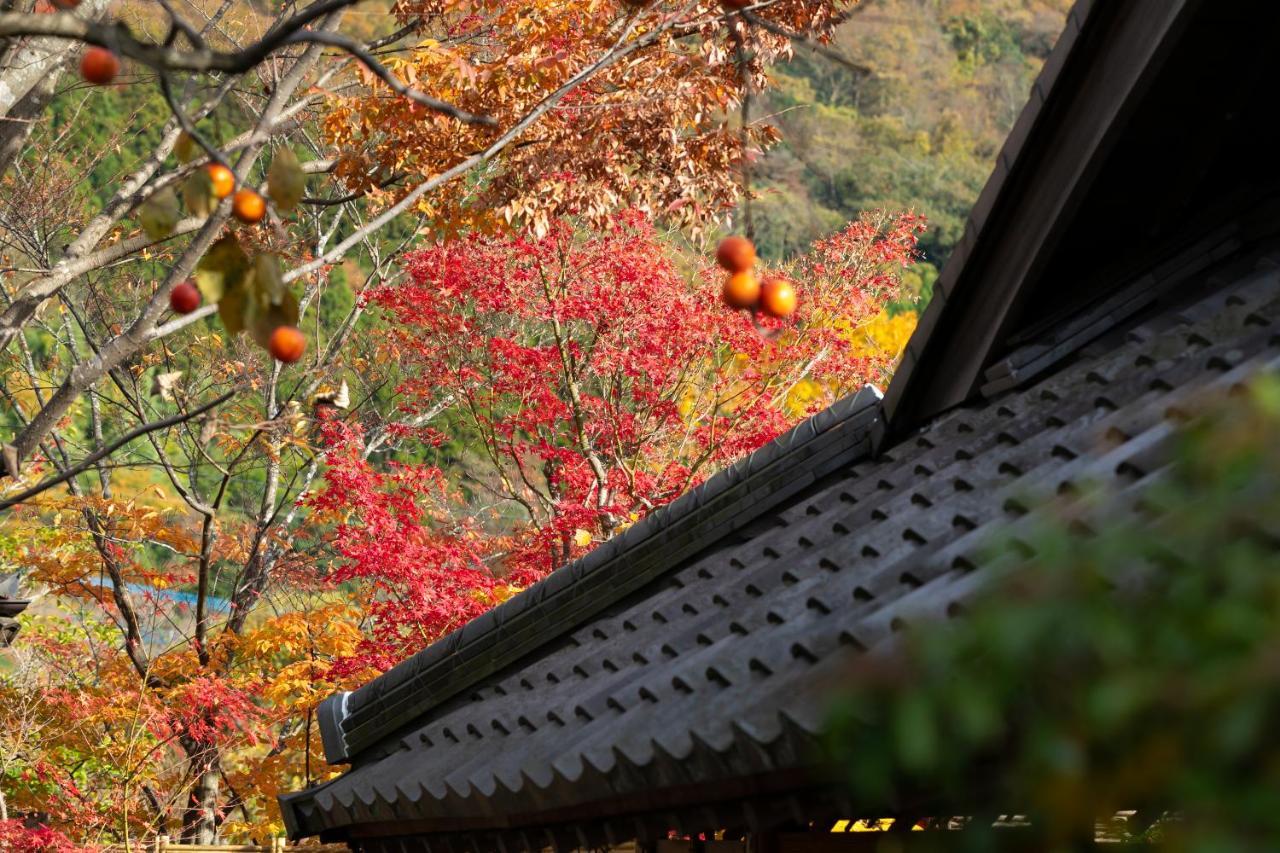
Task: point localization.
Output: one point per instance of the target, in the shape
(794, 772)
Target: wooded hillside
(920, 128)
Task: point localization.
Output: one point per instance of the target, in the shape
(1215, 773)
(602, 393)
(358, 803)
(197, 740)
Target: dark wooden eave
(10, 608)
(13, 606)
(1080, 108)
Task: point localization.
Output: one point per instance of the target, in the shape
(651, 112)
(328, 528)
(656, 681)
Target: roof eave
(1094, 78)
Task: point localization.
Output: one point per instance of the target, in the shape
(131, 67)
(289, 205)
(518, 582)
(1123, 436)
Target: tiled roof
(356, 722)
(696, 700)
(677, 677)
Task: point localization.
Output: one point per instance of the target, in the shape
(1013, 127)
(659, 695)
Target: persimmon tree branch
(619, 51)
(80, 258)
(27, 64)
(140, 332)
(168, 57)
(380, 71)
(117, 37)
(90, 460)
(131, 192)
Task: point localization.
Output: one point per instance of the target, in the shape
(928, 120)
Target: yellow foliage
(497, 595)
(327, 632)
(883, 334)
(803, 395)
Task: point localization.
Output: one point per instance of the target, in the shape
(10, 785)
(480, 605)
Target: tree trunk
(200, 820)
(30, 61)
(16, 127)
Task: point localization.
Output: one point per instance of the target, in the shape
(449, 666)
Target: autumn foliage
(549, 391)
(631, 136)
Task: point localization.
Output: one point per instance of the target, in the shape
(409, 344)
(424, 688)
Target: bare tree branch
(370, 61)
(166, 57)
(88, 461)
(28, 64)
(803, 40)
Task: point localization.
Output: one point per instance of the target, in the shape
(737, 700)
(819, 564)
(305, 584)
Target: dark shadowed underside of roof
(715, 672)
(1149, 130)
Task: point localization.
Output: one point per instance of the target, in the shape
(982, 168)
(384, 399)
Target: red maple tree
(590, 380)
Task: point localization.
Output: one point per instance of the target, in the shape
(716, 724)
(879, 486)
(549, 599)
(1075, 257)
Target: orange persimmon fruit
(286, 344)
(221, 180)
(778, 297)
(248, 206)
(736, 254)
(741, 290)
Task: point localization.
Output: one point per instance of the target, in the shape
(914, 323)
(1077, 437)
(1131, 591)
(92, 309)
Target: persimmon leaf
(221, 269)
(159, 214)
(263, 319)
(286, 181)
(197, 194)
(185, 148)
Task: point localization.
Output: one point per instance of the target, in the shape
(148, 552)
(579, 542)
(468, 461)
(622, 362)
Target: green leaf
(197, 194)
(231, 308)
(915, 733)
(159, 214)
(184, 148)
(1265, 391)
(286, 181)
(976, 711)
(262, 320)
(268, 281)
(222, 269)
(267, 302)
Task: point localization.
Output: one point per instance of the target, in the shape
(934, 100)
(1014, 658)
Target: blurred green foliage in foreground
(1132, 661)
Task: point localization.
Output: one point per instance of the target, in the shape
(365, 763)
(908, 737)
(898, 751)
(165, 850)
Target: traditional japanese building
(1122, 259)
(10, 608)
